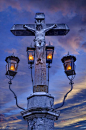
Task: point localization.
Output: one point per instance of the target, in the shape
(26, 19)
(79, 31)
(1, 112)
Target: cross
(40, 30)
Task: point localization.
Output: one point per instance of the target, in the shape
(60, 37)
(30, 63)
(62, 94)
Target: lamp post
(69, 68)
(41, 111)
(49, 58)
(69, 65)
(11, 67)
(30, 56)
(11, 71)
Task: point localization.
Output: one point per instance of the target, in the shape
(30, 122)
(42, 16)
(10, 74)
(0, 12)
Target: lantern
(30, 55)
(69, 65)
(49, 53)
(12, 65)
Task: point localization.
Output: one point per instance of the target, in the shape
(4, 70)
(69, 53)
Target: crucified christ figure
(39, 39)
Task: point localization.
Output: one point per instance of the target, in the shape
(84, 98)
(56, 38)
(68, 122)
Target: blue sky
(70, 12)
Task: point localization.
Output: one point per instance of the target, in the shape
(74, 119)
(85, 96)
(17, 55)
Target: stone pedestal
(40, 113)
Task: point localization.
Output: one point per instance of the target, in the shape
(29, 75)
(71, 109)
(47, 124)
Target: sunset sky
(70, 12)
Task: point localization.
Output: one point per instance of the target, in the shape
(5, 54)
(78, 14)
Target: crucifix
(40, 30)
(40, 113)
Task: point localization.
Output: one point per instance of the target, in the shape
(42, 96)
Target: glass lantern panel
(6, 67)
(68, 65)
(73, 65)
(31, 57)
(12, 66)
(49, 54)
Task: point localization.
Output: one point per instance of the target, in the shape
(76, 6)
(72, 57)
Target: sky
(70, 12)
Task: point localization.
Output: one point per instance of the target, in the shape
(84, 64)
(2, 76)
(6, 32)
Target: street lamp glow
(12, 65)
(49, 56)
(49, 53)
(31, 58)
(30, 54)
(69, 65)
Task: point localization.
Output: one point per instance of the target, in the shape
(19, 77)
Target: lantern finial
(31, 44)
(68, 53)
(49, 43)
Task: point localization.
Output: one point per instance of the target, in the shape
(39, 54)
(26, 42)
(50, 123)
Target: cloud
(84, 46)
(72, 114)
(12, 122)
(76, 90)
(71, 121)
(11, 51)
(11, 3)
(21, 73)
(66, 7)
(71, 43)
(5, 125)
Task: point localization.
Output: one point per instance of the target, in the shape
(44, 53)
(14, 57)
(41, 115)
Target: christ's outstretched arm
(29, 28)
(53, 26)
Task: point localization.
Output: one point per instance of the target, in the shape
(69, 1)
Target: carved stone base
(40, 113)
(41, 119)
(40, 88)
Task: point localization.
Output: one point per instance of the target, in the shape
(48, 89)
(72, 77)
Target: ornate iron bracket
(10, 82)
(65, 96)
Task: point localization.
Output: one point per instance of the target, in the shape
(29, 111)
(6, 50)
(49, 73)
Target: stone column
(40, 82)
(40, 113)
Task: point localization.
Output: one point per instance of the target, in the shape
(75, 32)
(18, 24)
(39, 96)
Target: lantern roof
(12, 58)
(30, 48)
(50, 46)
(68, 57)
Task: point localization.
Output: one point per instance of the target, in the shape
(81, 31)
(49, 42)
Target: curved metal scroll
(71, 83)
(14, 95)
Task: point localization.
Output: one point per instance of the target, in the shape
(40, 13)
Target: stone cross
(40, 30)
(40, 113)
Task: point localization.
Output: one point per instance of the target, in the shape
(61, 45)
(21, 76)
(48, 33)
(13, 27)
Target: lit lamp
(12, 65)
(49, 53)
(49, 57)
(69, 65)
(11, 70)
(30, 54)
